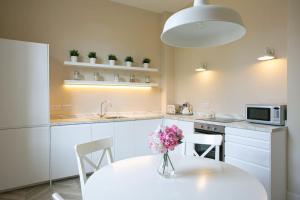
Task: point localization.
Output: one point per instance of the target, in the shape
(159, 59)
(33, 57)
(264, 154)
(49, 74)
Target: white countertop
(89, 119)
(239, 124)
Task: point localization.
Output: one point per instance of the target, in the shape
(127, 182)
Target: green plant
(146, 60)
(74, 52)
(112, 57)
(92, 55)
(129, 59)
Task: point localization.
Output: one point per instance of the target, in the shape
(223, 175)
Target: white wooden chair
(82, 150)
(56, 196)
(212, 140)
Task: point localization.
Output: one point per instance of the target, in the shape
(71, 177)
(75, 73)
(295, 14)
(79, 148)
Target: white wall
(235, 77)
(88, 25)
(294, 99)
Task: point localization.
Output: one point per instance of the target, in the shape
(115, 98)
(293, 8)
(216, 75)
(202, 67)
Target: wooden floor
(68, 189)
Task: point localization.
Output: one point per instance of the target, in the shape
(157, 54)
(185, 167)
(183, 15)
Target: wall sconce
(201, 68)
(269, 55)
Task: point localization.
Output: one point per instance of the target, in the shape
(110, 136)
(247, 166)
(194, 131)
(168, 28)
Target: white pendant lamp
(203, 25)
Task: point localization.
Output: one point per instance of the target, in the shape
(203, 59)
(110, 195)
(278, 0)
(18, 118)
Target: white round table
(195, 179)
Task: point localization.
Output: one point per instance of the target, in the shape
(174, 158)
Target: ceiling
(158, 6)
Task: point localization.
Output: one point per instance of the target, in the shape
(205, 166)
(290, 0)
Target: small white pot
(74, 58)
(93, 60)
(146, 65)
(112, 62)
(129, 64)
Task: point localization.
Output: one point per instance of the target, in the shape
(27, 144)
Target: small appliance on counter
(176, 109)
(186, 109)
(173, 109)
(271, 114)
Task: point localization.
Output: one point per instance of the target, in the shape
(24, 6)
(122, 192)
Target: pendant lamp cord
(200, 2)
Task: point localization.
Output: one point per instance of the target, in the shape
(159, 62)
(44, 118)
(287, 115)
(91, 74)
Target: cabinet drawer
(260, 144)
(263, 136)
(261, 173)
(249, 154)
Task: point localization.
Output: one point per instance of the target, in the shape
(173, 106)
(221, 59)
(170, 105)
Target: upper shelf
(106, 66)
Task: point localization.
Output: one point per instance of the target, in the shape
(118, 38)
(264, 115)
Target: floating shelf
(107, 83)
(106, 66)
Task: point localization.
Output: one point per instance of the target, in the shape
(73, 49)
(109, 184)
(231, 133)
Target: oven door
(259, 114)
(201, 148)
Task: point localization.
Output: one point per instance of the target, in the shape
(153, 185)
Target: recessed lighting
(269, 55)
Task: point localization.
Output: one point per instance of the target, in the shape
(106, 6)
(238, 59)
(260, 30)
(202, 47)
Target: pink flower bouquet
(165, 139)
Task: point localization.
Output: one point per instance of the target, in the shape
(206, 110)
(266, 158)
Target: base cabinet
(142, 130)
(100, 131)
(187, 127)
(131, 138)
(124, 140)
(24, 157)
(63, 140)
(262, 154)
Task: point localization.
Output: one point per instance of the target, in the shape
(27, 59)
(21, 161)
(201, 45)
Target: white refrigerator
(24, 113)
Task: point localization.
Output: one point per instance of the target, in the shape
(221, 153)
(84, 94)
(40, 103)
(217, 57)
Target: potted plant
(92, 56)
(74, 55)
(128, 61)
(146, 62)
(112, 59)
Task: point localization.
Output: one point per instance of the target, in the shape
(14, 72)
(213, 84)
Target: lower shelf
(107, 83)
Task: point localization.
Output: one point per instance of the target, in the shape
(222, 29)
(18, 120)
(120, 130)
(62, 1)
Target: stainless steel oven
(204, 128)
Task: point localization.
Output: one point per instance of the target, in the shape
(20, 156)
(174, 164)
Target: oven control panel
(209, 127)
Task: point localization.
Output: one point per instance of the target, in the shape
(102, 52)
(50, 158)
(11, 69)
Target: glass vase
(166, 168)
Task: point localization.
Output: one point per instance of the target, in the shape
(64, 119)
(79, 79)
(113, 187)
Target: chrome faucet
(105, 102)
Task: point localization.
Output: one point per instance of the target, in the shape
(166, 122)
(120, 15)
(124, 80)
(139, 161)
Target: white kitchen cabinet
(24, 84)
(124, 140)
(187, 127)
(262, 154)
(63, 140)
(24, 157)
(131, 137)
(141, 130)
(100, 131)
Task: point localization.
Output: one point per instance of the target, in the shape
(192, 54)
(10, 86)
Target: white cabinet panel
(131, 137)
(242, 152)
(248, 133)
(24, 156)
(187, 128)
(262, 154)
(24, 84)
(63, 140)
(142, 129)
(124, 140)
(100, 131)
(261, 173)
(248, 141)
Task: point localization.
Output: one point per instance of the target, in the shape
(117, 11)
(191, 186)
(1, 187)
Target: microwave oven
(266, 114)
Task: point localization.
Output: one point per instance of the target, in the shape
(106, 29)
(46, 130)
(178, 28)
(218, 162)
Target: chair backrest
(214, 141)
(56, 196)
(82, 150)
